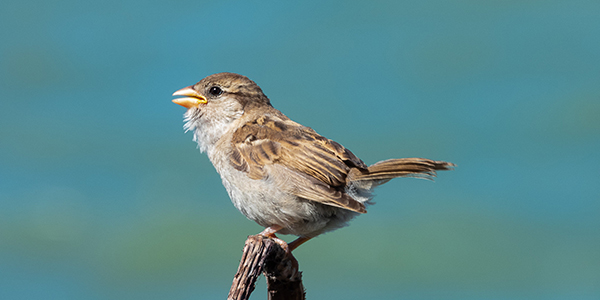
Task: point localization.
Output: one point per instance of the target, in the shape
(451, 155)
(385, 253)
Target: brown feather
(320, 169)
(400, 167)
(319, 164)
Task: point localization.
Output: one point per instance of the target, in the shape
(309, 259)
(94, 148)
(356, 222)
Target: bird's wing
(316, 167)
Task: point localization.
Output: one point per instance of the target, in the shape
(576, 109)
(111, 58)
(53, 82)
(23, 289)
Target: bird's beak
(193, 98)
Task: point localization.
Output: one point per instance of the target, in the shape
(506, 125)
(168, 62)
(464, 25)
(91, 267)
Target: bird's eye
(215, 91)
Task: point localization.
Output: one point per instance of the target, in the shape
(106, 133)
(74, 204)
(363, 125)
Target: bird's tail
(383, 171)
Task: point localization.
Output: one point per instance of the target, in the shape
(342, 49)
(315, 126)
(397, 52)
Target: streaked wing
(318, 166)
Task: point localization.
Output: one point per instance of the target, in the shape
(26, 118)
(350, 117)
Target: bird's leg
(270, 233)
(297, 242)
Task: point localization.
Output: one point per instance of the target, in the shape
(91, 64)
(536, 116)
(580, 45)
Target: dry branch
(263, 255)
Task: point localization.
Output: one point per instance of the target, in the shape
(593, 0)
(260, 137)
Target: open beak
(192, 99)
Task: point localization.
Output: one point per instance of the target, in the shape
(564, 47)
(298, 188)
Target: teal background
(103, 196)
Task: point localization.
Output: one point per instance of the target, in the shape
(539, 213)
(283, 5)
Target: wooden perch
(263, 255)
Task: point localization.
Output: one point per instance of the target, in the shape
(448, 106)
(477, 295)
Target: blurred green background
(103, 196)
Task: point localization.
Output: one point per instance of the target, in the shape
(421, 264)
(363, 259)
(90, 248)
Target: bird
(278, 173)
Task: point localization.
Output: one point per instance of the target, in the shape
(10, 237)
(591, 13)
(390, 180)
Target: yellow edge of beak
(193, 98)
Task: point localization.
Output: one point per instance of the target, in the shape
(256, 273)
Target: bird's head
(216, 102)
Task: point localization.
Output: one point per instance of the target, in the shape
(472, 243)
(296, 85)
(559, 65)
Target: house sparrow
(278, 173)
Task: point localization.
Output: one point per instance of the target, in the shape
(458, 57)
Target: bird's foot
(270, 233)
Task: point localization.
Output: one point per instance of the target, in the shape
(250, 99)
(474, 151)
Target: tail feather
(402, 167)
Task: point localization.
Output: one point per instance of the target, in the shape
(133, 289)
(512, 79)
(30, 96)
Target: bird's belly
(259, 200)
(270, 202)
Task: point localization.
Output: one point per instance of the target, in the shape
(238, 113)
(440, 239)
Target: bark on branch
(264, 255)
